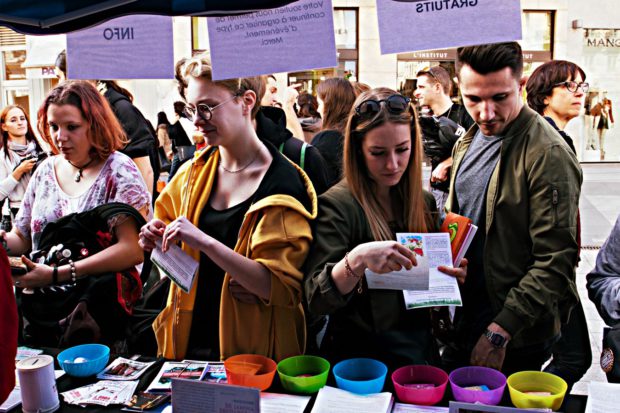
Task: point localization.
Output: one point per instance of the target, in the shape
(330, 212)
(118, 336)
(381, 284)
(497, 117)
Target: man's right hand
(487, 355)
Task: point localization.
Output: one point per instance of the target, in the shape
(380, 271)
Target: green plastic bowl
(303, 374)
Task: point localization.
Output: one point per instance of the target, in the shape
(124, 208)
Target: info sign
(298, 36)
(412, 25)
(130, 47)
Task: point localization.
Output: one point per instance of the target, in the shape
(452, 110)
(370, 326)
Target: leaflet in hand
(176, 264)
(417, 278)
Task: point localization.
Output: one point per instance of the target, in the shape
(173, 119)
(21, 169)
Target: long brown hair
(30, 136)
(105, 133)
(408, 192)
(338, 96)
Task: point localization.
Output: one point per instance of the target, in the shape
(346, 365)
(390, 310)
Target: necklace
(80, 172)
(235, 171)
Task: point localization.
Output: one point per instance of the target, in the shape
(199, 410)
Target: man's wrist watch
(496, 339)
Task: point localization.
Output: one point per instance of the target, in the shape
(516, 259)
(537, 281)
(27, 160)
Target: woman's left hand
(38, 275)
(181, 229)
(459, 273)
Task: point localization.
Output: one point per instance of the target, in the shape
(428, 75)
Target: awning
(62, 16)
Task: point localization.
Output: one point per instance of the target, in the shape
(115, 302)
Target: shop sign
(129, 47)
(412, 25)
(602, 38)
(298, 36)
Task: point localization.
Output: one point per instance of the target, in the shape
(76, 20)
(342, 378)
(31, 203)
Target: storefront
(14, 88)
(537, 44)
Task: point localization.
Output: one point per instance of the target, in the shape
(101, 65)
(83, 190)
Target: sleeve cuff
(509, 321)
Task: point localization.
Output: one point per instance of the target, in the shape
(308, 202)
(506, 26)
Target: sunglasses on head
(395, 104)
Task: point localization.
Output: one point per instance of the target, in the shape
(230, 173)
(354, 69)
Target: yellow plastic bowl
(521, 383)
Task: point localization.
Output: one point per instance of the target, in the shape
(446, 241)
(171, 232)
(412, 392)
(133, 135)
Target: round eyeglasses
(573, 86)
(204, 111)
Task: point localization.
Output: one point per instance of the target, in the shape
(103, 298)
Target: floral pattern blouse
(44, 201)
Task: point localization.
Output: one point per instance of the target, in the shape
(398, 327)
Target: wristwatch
(496, 339)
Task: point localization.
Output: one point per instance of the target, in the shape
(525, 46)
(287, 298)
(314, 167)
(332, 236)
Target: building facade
(587, 33)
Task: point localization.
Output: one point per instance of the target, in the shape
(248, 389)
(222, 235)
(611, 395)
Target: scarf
(22, 150)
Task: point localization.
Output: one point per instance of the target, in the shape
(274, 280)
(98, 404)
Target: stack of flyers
(124, 369)
(186, 369)
(215, 372)
(146, 401)
(25, 352)
(102, 393)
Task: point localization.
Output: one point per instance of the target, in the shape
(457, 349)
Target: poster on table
(130, 47)
(298, 36)
(412, 25)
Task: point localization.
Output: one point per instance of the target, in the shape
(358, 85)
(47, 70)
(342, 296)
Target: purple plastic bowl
(420, 374)
(477, 376)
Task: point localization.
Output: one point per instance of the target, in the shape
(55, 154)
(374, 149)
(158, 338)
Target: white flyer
(124, 369)
(176, 264)
(282, 403)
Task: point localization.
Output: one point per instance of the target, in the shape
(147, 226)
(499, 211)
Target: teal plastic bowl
(92, 359)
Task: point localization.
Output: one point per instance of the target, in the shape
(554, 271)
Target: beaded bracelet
(350, 274)
(54, 275)
(73, 272)
(348, 269)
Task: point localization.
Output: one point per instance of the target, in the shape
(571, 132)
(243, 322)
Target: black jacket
(271, 127)
(141, 136)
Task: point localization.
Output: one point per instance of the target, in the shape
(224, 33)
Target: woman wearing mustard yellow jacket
(241, 209)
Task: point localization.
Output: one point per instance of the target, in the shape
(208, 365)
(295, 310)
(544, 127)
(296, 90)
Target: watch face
(497, 340)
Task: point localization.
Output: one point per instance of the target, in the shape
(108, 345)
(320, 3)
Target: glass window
(345, 28)
(537, 28)
(13, 60)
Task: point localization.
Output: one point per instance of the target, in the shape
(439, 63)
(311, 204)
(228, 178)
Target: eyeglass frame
(192, 112)
(406, 99)
(584, 86)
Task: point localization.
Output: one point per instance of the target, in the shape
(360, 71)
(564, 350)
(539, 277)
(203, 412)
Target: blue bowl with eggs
(84, 360)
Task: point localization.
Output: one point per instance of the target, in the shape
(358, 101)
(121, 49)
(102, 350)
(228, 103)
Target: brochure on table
(332, 400)
(432, 250)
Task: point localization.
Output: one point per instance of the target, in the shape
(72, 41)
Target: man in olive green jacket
(518, 180)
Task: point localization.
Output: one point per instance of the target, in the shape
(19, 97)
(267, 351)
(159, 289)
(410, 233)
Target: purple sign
(298, 36)
(412, 25)
(130, 47)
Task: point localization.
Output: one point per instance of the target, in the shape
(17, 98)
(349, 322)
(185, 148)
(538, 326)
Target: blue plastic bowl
(96, 358)
(360, 375)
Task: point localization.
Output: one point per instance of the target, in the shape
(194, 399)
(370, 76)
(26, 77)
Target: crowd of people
(285, 208)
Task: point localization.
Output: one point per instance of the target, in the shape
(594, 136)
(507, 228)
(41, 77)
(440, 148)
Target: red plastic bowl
(420, 374)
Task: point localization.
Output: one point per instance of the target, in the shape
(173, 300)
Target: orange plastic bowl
(250, 370)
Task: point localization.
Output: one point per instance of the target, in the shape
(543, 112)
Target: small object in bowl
(304, 375)
(538, 393)
(478, 388)
(419, 386)
(80, 360)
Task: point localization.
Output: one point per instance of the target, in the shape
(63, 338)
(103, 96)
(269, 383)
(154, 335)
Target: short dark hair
(437, 74)
(546, 76)
(489, 58)
(61, 62)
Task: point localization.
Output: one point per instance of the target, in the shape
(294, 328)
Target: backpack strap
(302, 153)
(302, 156)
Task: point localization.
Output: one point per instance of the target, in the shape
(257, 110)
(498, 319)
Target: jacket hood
(271, 125)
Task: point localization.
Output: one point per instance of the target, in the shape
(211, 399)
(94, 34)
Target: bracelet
(350, 274)
(347, 267)
(54, 275)
(73, 272)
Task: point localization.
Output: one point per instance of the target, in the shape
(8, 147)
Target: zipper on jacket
(554, 201)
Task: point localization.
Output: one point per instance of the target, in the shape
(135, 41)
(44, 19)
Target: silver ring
(17, 283)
